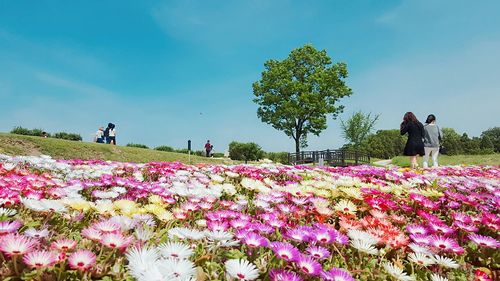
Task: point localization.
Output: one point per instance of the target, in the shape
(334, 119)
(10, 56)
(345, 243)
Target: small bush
(68, 136)
(245, 151)
(218, 154)
(138, 145)
(278, 157)
(27, 132)
(165, 148)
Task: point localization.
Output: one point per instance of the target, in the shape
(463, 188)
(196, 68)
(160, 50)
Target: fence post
(343, 157)
(356, 157)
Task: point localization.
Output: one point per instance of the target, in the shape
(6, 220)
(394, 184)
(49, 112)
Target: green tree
(384, 144)
(357, 128)
(494, 135)
(245, 151)
(452, 141)
(295, 95)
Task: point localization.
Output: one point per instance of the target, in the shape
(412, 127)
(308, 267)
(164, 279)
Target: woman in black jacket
(414, 145)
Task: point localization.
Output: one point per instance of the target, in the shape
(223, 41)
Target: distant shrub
(138, 145)
(218, 154)
(245, 151)
(27, 132)
(165, 148)
(277, 157)
(68, 136)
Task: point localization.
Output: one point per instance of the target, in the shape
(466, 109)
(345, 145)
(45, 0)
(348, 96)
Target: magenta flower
(318, 252)
(337, 274)
(298, 235)
(82, 260)
(282, 275)
(308, 265)
(484, 241)
(254, 240)
(440, 228)
(92, 234)
(445, 244)
(324, 236)
(40, 259)
(417, 229)
(285, 251)
(16, 245)
(7, 227)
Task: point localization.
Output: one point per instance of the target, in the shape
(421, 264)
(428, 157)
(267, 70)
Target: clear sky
(168, 71)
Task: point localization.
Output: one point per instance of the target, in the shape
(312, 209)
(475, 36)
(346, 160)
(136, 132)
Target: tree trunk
(297, 146)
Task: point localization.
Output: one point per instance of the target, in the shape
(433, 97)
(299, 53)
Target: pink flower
(116, 240)
(82, 260)
(7, 227)
(92, 234)
(63, 245)
(282, 275)
(40, 259)
(337, 274)
(318, 252)
(484, 241)
(107, 227)
(15, 245)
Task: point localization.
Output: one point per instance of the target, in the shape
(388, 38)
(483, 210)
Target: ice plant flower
(7, 227)
(116, 240)
(484, 241)
(82, 260)
(308, 265)
(175, 250)
(318, 252)
(337, 274)
(40, 259)
(16, 245)
(63, 245)
(285, 251)
(397, 272)
(282, 275)
(240, 269)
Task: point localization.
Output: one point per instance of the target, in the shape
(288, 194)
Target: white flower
(364, 236)
(397, 272)
(364, 247)
(7, 212)
(435, 277)
(346, 206)
(219, 235)
(177, 270)
(420, 259)
(143, 262)
(446, 262)
(175, 250)
(241, 269)
(143, 234)
(33, 233)
(119, 189)
(44, 205)
(420, 249)
(186, 233)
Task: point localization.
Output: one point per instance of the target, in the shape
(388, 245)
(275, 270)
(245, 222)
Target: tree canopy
(358, 127)
(295, 95)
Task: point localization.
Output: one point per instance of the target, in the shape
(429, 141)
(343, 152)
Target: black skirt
(415, 144)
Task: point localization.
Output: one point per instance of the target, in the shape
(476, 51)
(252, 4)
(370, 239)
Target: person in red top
(208, 148)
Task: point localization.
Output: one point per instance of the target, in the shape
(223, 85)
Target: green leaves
(295, 95)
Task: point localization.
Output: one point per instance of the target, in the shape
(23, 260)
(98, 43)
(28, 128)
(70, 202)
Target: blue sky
(169, 71)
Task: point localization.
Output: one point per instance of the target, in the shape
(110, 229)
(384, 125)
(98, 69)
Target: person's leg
(412, 162)
(435, 154)
(426, 156)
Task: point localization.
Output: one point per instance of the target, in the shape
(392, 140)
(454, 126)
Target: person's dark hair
(110, 124)
(430, 119)
(409, 117)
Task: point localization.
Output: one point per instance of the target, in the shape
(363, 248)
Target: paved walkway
(384, 163)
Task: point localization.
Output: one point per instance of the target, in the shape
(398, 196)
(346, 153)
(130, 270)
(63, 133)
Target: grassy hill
(11, 144)
(488, 159)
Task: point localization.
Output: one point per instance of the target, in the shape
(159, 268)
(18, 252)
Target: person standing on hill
(208, 148)
(432, 140)
(414, 145)
(112, 135)
(99, 135)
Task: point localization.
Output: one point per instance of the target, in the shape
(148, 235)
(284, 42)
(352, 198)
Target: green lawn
(489, 159)
(63, 149)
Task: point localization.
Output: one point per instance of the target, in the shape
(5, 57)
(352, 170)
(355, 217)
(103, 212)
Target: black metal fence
(339, 157)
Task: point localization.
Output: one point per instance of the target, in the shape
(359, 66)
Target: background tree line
(387, 144)
(41, 133)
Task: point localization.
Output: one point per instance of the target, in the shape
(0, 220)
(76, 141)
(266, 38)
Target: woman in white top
(432, 140)
(112, 134)
(99, 135)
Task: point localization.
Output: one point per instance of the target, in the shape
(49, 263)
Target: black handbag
(442, 150)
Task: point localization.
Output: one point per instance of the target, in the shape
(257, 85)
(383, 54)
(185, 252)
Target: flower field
(96, 220)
